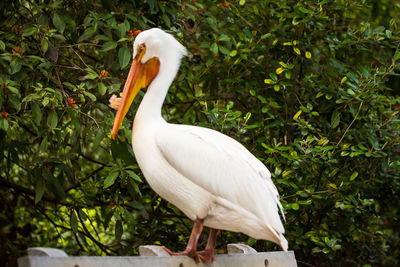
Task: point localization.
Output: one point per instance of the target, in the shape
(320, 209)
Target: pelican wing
(223, 167)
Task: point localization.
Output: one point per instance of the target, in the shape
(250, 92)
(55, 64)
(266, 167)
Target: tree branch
(27, 191)
(89, 235)
(100, 245)
(78, 184)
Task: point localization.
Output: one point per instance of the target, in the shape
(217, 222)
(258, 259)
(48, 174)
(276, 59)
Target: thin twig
(93, 160)
(84, 63)
(348, 127)
(77, 241)
(74, 45)
(84, 179)
(94, 228)
(100, 245)
(89, 235)
(44, 214)
(89, 117)
(302, 262)
(237, 13)
(69, 67)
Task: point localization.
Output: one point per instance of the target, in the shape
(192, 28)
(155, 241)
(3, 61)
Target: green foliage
(309, 87)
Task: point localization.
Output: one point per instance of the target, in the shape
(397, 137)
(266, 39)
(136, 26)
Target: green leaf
(135, 186)
(268, 81)
(52, 120)
(351, 92)
(74, 221)
(36, 113)
(251, 241)
(273, 76)
(4, 124)
(28, 31)
(44, 144)
(2, 45)
(395, 57)
(102, 88)
(59, 37)
(353, 199)
(305, 10)
(90, 95)
(45, 101)
(82, 215)
(279, 70)
(124, 56)
(166, 20)
(87, 34)
(39, 189)
(14, 90)
(58, 23)
(109, 181)
(214, 48)
(224, 50)
(298, 113)
(335, 119)
(326, 250)
(134, 176)
(101, 37)
(90, 76)
(15, 66)
(267, 35)
(224, 38)
(305, 202)
(109, 46)
(353, 176)
(44, 44)
(122, 29)
(70, 85)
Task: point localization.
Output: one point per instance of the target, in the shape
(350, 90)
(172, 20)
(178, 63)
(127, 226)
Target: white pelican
(209, 176)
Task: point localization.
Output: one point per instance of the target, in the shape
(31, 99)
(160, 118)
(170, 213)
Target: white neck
(150, 107)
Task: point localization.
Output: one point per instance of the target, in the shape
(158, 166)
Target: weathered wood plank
(260, 259)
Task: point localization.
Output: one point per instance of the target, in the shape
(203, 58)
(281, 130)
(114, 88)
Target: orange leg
(191, 248)
(208, 255)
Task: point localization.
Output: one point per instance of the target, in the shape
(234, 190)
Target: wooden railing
(238, 255)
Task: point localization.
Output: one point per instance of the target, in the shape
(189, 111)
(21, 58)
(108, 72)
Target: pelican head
(151, 49)
(158, 44)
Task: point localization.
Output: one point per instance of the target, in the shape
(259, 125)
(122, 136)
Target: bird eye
(141, 47)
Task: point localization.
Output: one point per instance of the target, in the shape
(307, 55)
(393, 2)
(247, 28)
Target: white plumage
(204, 173)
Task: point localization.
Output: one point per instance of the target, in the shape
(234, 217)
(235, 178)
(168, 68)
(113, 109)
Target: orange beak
(140, 76)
